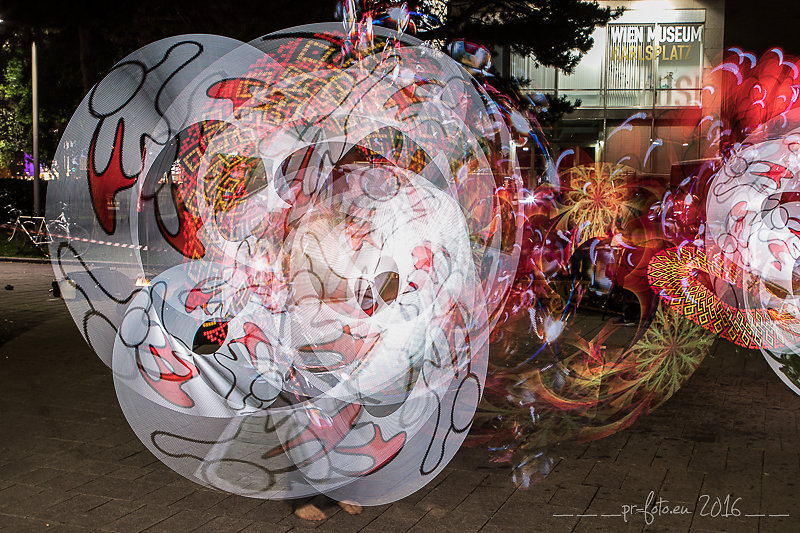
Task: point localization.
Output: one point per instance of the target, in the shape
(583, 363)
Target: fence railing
(632, 98)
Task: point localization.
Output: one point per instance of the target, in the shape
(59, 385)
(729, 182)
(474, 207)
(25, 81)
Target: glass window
(542, 78)
(679, 61)
(629, 65)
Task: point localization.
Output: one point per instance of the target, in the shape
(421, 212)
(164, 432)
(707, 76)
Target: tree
(59, 92)
(14, 94)
(79, 41)
(556, 33)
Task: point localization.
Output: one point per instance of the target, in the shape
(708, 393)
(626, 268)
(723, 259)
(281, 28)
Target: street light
(37, 206)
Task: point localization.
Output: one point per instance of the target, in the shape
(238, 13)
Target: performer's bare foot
(309, 511)
(351, 507)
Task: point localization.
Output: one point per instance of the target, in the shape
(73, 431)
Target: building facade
(645, 70)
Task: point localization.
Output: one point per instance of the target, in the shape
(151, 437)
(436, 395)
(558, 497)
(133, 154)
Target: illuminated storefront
(648, 63)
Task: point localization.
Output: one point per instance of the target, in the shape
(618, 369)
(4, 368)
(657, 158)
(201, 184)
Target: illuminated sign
(645, 42)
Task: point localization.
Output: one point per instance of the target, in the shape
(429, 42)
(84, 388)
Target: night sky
(759, 26)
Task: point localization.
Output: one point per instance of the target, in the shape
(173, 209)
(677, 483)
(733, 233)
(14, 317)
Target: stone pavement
(69, 462)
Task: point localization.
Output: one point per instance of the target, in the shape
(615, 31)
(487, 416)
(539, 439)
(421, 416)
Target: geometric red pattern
(672, 275)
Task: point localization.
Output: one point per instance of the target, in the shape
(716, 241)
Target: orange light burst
(597, 199)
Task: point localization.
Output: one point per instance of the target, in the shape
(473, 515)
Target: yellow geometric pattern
(672, 274)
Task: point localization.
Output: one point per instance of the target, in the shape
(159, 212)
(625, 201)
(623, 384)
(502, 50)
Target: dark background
(758, 26)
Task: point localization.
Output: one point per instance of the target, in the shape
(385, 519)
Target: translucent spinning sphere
(754, 233)
(295, 256)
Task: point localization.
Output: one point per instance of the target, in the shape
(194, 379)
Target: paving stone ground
(69, 462)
